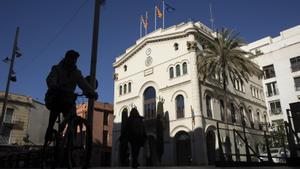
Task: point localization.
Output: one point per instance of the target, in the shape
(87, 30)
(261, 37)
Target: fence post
(221, 154)
(268, 148)
(284, 148)
(248, 157)
(237, 156)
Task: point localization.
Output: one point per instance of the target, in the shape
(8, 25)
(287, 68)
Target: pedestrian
(136, 135)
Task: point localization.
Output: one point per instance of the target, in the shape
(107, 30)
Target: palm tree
(222, 56)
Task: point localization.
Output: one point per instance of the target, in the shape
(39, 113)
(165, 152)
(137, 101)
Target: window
(208, 106)
(179, 106)
(176, 46)
(297, 83)
(120, 90)
(258, 116)
(272, 89)
(8, 118)
(268, 71)
(232, 109)
(177, 70)
(222, 110)
(129, 87)
(250, 118)
(239, 85)
(171, 72)
(256, 93)
(6, 131)
(125, 88)
(184, 68)
(295, 63)
(105, 118)
(242, 115)
(125, 68)
(275, 107)
(150, 103)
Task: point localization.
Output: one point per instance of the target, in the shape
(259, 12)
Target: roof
(173, 32)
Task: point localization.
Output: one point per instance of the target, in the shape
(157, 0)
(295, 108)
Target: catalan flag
(158, 12)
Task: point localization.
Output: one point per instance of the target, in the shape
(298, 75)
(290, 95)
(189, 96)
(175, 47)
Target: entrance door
(183, 149)
(211, 147)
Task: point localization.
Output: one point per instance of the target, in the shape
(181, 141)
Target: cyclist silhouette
(62, 81)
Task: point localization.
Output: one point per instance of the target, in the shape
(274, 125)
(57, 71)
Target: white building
(162, 64)
(279, 58)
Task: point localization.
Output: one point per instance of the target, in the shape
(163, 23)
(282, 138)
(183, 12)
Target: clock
(148, 51)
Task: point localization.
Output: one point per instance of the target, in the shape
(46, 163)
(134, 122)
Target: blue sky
(50, 27)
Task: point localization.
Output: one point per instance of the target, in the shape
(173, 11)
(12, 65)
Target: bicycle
(72, 140)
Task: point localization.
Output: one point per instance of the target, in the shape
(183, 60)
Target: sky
(48, 28)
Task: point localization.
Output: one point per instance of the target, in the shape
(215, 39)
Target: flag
(145, 21)
(193, 116)
(169, 8)
(158, 12)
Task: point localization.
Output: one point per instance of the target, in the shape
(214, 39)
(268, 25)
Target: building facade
(24, 122)
(162, 66)
(279, 58)
(102, 131)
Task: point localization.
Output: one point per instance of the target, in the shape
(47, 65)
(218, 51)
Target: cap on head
(71, 53)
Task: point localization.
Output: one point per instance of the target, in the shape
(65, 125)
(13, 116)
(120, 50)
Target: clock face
(148, 51)
(148, 61)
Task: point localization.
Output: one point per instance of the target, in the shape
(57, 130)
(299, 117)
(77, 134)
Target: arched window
(125, 88)
(120, 90)
(124, 120)
(150, 103)
(250, 118)
(179, 106)
(242, 115)
(222, 110)
(177, 70)
(208, 106)
(184, 68)
(232, 109)
(171, 72)
(129, 87)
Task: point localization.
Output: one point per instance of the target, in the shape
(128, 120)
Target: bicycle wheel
(79, 143)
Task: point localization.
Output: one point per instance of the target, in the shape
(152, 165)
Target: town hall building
(162, 67)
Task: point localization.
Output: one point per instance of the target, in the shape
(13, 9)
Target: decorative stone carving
(115, 76)
(191, 45)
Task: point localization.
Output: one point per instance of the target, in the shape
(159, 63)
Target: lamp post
(10, 73)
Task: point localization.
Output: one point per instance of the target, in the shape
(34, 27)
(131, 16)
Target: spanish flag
(158, 12)
(145, 22)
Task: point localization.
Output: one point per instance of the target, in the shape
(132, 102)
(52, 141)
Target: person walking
(136, 135)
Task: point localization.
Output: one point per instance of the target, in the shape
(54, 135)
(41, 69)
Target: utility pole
(94, 59)
(13, 55)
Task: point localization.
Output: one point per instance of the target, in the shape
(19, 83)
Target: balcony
(276, 111)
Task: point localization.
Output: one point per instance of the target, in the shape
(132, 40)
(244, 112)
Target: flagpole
(141, 27)
(146, 20)
(163, 14)
(155, 18)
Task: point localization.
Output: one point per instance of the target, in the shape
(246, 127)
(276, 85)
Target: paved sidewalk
(199, 167)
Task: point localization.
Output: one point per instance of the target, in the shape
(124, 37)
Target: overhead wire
(41, 53)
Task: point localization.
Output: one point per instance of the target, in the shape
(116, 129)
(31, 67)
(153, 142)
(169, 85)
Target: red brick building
(102, 131)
